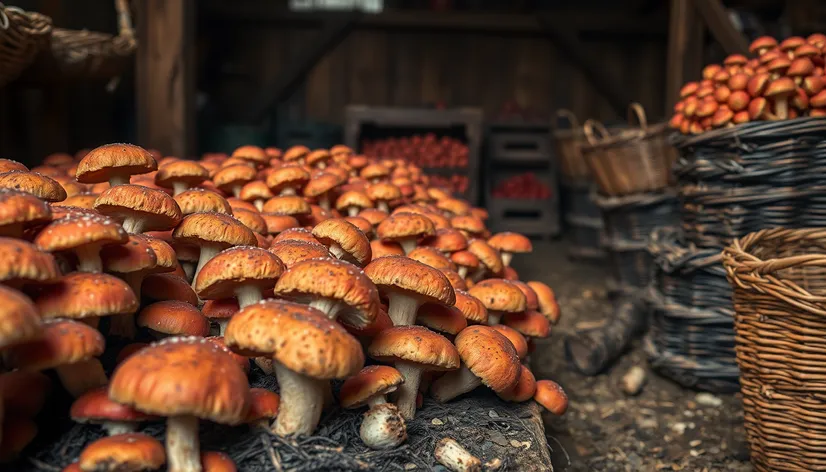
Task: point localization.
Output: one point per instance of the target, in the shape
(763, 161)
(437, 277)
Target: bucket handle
(636, 113)
(570, 116)
(595, 132)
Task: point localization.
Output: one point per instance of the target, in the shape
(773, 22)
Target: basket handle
(595, 131)
(636, 112)
(569, 115)
(125, 29)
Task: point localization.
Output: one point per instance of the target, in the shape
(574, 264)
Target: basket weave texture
(22, 36)
(779, 282)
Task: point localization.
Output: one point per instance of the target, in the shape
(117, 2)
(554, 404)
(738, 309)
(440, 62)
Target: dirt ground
(665, 427)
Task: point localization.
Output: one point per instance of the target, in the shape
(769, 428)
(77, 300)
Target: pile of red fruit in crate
(524, 187)
(783, 80)
(428, 151)
(455, 183)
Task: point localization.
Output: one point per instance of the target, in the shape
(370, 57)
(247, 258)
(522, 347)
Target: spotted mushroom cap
(95, 406)
(399, 273)
(236, 266)
(550, 395)
(367, 383)
(405, 225)
(332, 279)
(39, 185)
(321, 184)
(448, 240)
(228, 177)
(188, 172)
(9, 164)
(381, 248)
(469, 224)
(490, 356)
(82, 295)
(101, 163)
(251, 153)
(292, 252)
(60, 342)
(19, 318)
(520, 344)
(291, 205)
(511, 242)
(431, 257)
(499, 295)
(441, 318)
(198, 200)
(296, 234)
(73, 232)
(456, 281)
(415, 344)
(345, 235)
(183, 376)
(213, 228)
(159, 209)
(21, 208)
(21, 262)
(174, 318)
(471, 307)
(465, 259)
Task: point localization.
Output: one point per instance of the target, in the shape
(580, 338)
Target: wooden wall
(460, 69)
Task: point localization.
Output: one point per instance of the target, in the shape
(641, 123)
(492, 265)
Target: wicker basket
(635, 161)
(630, 264)
(634, 217)
(779, 282)
(568, 142)
(22, 36)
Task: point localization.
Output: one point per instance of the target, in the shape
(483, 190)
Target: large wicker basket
(634, 161)
(568, 142)
(779, 282)
(22, 36)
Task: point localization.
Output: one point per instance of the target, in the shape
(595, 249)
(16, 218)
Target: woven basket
(22, 36)
(779, 282)
(634, 217)
(567, 142)
(630, 264)
(635, 161)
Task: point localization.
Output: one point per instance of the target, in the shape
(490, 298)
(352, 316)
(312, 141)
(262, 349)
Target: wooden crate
(461, 123)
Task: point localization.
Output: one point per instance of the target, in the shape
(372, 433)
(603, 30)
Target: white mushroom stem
(402, 308)
(133, 225)
(507, 257)
(208, 251)
(330, 306)
(407, 244)
(236, 191)
(383, 427)
(302, 400)
(80, 377)
(383, 206)
(247, 294)
(338, 251)
(453, 384)
(462, 270)
(352, 210)
(119, 427)
(376, 400)
(88, 258)
(259, 204)
(494, 318)
(406, 395)
(452, 455)
(222, 325)
(179, 187)
(118, 179)
(189, 270)
(324, 201)
(287, 191)
(182, 449)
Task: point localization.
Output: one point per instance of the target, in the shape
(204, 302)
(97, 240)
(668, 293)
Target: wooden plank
(367, 58)
(293, 76)
(684, 49)
(406, 70)
(718, 21)
(533, 75)
(165, 76)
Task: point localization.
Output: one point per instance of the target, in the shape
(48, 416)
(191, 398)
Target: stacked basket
(631, 170)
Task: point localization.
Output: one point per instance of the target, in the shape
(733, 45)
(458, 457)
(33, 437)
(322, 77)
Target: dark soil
(664, 427)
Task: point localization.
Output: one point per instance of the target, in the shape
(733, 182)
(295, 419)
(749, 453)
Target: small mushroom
(524, 389)
(232, 178)
(352, 202)
(19, 318)
(140, 208)
(82, 235)
(548, 305)
(114, 163)
(509, 244)
(344, 241)
(320, 188)
(95, 407)
(244, 272)
(383, 426)
(499, 296)
(264, 406)
(405, 229)
(551, 396)
(256, 192)
(288, 180)
(291, 252)
(198, 200)
(20, 210)
(128, 452)
(180, 176)
(455, 458)
(173, 318)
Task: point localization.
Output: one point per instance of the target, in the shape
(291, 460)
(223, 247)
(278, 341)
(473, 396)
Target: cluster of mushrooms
(783, 80)
(302, 262)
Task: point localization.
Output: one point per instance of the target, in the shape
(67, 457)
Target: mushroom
(551, 396)
(95, 407)
(160, 287)
(509, 244)
(296, 154)
(173, 318)
(129, 452)
(344, 241)
(318, 158)
(780, 90)
(471, 307)
(253, 155)
(264, 406)
(447, 320)
(251, 219)
(408, 284)
(291, 205)
(529, 323)
(276, 224)
(68, 347)
(19, 210)
(84, 236)
(413, 350)
(381, 248)
(374, 216)
(499, 296)
(320, 188)
(308, 350)
(352, 202)
(9, 164)
(374, 173)
(140, 208)
(456, 281)
(220, 311)
(547, 300)
(213, 461)
(183, 379)
(362, 224)
(489, 258)
(453, 207)
(296, 234)
(520, 344)
(212, 232)
(455, 458)
(488, 358)
(198, 200)
(469, 225)
(292, 252)
(288, 180)
(465, 262)
(336, 288)
(447, 240)
(22, 263)
(232, 178)
(383, 426)
(257, 193)
(114, 163)
(40, 186)
(180, 176)
(19, 318)
(405, 229)
(244, 272)
(432, 257)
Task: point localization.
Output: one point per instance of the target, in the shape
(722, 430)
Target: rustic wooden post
(686, 34)
(165, 76)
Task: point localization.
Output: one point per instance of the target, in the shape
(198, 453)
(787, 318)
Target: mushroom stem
(337, 251)
(352, 210)
(179, 187)
(119, 427)
(402, 309)
(408, 245)
(494, 318)
(88, 258)
(247, 294)
(208, 251)
(406, 396)
(454, 457)
(453, 384)
(222, 325)
(287, 191)
(330, 306)
(182, 449)
(116, 180)
(507, 257)
(324, 201)
(133, 225)
(383, 206)
(236, 191)
(376, 400)
(302, 399)
(189, 270)
(383, 427)
(781, 108)
(80, 377)
(462, 270)
(259, 204)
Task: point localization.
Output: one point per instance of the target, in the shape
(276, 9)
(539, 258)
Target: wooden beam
(718, 21)
(166, 76)
(604, 81)
(685, 49)
(294, 75)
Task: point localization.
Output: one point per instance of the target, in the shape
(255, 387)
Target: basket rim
(627, 136)
(756, 129)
